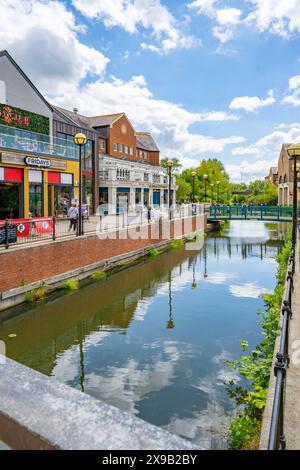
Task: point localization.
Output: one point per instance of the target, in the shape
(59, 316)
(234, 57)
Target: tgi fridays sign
(37, 161)
(15, 159)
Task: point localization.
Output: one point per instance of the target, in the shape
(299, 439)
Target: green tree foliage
(176, 163)
(184, 189)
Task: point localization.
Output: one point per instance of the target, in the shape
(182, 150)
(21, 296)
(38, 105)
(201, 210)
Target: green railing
(251, 212)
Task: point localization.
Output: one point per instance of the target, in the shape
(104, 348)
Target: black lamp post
(170, 164)
(193, 179)
(205, 184)
(294, 154)
(212, 192)
(218, 189)
(80, 139)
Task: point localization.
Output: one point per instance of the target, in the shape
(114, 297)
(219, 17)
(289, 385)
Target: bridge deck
(266, 213)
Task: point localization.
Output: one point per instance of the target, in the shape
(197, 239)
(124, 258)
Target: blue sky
(209, 78)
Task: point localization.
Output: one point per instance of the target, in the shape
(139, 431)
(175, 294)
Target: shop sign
(37, 161)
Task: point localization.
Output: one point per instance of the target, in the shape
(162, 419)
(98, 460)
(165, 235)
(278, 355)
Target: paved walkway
(292, 404)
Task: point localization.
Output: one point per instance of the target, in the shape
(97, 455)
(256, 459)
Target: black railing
(277, 440)
(14, 232)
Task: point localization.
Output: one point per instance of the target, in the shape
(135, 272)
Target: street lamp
(205, 183)
(170, 164)
(218, 187)
(193, 195)
(212, 191)
(294, 154)
(80, 139)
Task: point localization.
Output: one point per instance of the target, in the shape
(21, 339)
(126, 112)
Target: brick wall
(21, 266)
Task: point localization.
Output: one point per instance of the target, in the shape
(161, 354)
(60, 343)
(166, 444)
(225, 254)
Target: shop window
(126, 149)
(11, 200)
(66, 178)
(120, 148)
(35, 176)
(131, 150)
(59, 200)
(115, 147)
(1, 174)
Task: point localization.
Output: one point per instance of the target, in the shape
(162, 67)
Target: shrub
(153, 252)
(98, 275)
(242, 430)
(70, 284)
(176, 245)
(36, 295)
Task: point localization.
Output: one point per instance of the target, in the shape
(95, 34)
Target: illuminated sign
(37, 161)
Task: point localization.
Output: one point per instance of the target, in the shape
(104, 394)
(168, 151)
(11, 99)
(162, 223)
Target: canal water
(152, 339)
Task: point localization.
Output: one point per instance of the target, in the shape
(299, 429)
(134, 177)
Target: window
(146, 155)
(131, 151)
(126, 148)
(102, 144)
(156, 178)
(120, 148)
(146, 177)
(115, 147)
(123, 175)
(141, 153)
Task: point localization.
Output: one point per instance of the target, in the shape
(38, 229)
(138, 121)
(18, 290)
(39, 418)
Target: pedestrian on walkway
(73, 214)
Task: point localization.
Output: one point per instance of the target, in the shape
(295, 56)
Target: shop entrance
(10, 201)
(59, 200)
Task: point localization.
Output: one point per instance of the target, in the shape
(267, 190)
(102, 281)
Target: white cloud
(280, 17)
(249, 290)
(132, 15)
(169, 122)
(227, 19)
(252, 103)
(249, 171)
(270, 144)
(293, 98)
(42, 36)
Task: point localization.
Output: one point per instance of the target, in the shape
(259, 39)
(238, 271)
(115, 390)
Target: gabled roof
(145, 141)
(73, 118)
(4, 53)
(105, 120)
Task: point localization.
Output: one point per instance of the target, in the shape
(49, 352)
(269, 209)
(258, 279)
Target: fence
(280, 213)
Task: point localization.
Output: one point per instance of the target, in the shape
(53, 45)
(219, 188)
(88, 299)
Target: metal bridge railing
(251, 212)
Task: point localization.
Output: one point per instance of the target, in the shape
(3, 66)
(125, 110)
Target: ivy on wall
(15, 117)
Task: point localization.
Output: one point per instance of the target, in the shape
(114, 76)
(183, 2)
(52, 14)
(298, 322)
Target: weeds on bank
(36, 295)
(255, 367)
(98, 275)
(153, 252)
(70, 284)
(176, 245)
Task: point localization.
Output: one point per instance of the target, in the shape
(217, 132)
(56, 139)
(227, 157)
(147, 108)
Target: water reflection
(152, 340)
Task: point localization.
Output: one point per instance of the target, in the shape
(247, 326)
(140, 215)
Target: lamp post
(212, 191)
(80, 139)
(205, 183)
(193, 176)
(170, 164)
(218, 188)
(294, 154)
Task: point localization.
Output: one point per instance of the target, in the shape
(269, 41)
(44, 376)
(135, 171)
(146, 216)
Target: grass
(98, 275)
(176, 245)
(36, 295)
(70, 284)
(153, 252)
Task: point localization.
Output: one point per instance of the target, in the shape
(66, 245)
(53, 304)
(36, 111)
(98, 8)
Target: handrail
(277, 439)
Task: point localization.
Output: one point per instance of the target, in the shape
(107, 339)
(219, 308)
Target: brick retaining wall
(20, 266)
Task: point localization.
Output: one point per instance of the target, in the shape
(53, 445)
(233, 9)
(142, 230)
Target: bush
(98, 275)
(36, 295)
(242, 430)
(176, 245)
(153, 252)
(71, 284)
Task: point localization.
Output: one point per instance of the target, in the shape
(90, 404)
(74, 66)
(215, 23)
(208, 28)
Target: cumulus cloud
(249, 171)
(132, 15)
(169, 122)
(252, 103)
(293, 95)
(42, 36)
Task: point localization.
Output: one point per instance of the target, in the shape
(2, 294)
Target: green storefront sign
(16, 117)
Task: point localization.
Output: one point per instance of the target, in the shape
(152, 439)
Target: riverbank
(245, 428)
(48, 264)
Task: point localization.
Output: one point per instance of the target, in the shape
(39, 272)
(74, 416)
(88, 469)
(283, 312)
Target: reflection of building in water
(47, 331)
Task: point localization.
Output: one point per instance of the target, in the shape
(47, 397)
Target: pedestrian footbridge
(267, 213)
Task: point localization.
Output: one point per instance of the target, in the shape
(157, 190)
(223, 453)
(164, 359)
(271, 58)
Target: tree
(176, 163)
(184, 189)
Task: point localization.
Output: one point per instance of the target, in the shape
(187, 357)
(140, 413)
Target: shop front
(123, 198)
(156, 198)
(31, 186)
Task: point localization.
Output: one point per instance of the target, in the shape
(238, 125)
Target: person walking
(73, 214)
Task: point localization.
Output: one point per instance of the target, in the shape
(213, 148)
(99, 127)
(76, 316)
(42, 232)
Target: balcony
(19, 140)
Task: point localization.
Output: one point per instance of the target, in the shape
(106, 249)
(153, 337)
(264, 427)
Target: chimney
(75, 110)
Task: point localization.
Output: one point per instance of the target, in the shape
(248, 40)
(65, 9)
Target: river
(152, 339)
